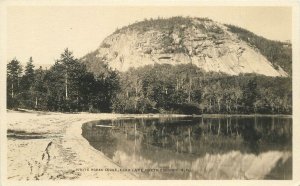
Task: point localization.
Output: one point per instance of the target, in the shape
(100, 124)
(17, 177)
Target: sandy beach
(43, 146)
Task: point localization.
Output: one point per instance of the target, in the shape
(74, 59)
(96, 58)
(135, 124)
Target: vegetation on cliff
(278, 53)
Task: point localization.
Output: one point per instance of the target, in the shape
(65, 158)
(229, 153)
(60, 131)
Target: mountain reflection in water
(198, 148)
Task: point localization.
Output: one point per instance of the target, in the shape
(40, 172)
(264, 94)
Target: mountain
(209, 45)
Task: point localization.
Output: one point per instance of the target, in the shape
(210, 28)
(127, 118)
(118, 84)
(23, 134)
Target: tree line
(68, 86)
(189, 90)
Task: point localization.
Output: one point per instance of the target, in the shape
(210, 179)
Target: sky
(43, 32)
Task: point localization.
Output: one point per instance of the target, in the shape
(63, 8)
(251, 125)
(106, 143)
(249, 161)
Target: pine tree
(26, 95)
(67, 60)
(28, 78)
(14, 72)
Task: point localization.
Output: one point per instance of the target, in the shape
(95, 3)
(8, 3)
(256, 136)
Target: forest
(68, 86)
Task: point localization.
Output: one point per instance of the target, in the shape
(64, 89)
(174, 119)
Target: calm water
(197, 148)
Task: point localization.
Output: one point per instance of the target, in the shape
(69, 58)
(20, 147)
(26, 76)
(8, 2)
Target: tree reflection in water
(210, 148)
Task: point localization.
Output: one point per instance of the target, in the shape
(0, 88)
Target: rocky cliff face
(202, 42)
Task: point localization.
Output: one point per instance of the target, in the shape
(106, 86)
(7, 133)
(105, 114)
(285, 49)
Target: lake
(204, 148)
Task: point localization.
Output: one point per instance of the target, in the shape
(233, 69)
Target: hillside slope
(209, 45)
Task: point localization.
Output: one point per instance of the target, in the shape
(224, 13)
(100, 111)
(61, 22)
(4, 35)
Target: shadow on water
(198, 148)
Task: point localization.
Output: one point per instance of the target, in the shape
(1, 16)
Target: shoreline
(49, 146)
